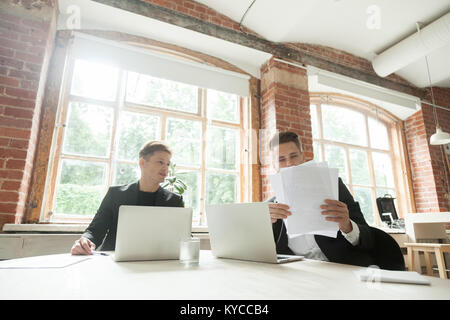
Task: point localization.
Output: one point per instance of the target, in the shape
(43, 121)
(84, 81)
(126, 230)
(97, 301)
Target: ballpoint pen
(99, 253)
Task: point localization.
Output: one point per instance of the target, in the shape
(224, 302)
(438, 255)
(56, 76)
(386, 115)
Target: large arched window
(365, 143)
(107, 112)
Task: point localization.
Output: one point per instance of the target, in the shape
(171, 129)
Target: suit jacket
(337, 249)
(105, 220)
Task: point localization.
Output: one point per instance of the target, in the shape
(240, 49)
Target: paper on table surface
(43, 262)
(304, 188)
(380, 275)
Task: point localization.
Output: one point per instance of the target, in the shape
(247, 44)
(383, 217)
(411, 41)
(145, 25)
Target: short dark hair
(151, 147)
(285, 137)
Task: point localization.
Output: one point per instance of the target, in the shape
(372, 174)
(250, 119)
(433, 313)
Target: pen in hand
(99, 253)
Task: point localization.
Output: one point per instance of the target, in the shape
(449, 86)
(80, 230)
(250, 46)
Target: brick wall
(284, 107)
(26, 41)
(428, 166)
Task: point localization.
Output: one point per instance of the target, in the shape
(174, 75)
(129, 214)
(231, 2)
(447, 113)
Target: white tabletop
(99, 277)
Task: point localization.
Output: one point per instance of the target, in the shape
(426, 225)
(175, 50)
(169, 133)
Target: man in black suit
(154, 161)
(355, 240)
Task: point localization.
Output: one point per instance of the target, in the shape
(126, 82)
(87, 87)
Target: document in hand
(304, 189)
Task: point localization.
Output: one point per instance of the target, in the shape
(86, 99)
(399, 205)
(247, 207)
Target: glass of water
(190, 252)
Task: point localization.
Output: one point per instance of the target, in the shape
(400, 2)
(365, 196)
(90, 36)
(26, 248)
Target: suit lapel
(160, 197)
(130, 195)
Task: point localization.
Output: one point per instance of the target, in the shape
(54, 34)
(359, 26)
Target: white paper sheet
(43, 262)
(380, 275)
(304, 188)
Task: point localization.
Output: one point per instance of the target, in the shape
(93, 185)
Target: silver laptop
(243, 231)
(151, 233)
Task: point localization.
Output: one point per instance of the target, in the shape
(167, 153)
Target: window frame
(396, 153)
(121, 105)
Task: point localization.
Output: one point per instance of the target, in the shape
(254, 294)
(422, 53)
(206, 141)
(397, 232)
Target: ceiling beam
(279, 50)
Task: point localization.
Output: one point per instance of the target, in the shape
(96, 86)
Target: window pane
(344, 125)
(81, 187)
(313, 111)
(88, 130)
(221, 148)
(360, 167)
(220, 188)
(185, 139)
(335, 156)
(378, 134)
(364, 198)
(317, 151)
(161, 93)
(383, 170)
(383, 191)
(134, 130)
(126, 173)
(93, 80)
(191, 196)
(223, 106)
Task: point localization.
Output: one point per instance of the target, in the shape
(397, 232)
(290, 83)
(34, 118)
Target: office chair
(387, 253)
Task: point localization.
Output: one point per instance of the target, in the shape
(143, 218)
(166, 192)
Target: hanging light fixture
(440, 137)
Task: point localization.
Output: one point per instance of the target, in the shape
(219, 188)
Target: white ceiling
(101, 17)
(342, 24)
(339, 24)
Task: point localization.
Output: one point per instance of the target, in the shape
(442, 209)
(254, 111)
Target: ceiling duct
(434, 36)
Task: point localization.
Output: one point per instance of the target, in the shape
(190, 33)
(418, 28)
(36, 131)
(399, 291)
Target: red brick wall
(284, 107)
(200, 11)
(26, 41)
(428, 167)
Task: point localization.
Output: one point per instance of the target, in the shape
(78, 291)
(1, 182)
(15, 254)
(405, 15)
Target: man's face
(288, 155)
(156, 167)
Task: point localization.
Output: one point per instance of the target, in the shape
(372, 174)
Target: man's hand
(83, 246)
(278, 211)
(337, 211)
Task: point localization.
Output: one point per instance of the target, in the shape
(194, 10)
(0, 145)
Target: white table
(101, 278)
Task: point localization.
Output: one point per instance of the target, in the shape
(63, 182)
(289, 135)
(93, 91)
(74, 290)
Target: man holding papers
(154, 161)
(313, 213)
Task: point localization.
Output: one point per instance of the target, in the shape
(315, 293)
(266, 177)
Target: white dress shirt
(305, 245)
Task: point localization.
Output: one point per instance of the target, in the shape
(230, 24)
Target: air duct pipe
(434, 36)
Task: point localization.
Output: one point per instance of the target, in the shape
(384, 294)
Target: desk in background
(214, 279)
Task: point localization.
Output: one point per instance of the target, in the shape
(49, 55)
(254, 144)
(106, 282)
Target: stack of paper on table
(379, 275)
(304, 189)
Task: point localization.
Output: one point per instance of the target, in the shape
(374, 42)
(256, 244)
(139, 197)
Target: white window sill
(65, 228)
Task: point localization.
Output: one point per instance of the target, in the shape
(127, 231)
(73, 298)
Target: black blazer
(337, 249)
(105, 220)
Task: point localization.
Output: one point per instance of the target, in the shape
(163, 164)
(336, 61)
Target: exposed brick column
(27, 32)
(284, 106)
(428, 165)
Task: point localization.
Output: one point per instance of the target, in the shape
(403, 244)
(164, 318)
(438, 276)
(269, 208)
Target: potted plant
(173, 183)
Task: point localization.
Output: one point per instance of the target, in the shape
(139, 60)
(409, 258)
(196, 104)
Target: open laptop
(243, 231)
(151, 233)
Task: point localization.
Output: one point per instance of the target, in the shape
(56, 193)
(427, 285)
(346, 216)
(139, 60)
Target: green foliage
(185, 138)
(161, 93)
(78, 199)
(364, 198)
(222, 106)
(135, 130)
(173, 183)
(220, 188)
(344, 125)
(221, 151)
(126, 173)
(88, 130)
